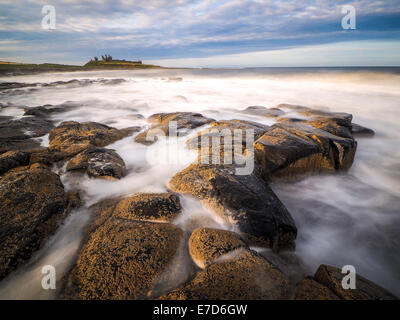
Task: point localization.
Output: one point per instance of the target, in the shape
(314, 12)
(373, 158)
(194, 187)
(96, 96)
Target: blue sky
(203, 33)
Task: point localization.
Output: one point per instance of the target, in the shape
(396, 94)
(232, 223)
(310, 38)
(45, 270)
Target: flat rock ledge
(124, 257)
(245, 201)
(32, 203)
(185, 121)
(207, 245)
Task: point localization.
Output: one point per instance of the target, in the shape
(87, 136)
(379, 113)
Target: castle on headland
(109, 58)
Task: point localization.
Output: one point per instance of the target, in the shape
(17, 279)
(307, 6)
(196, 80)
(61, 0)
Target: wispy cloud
(159, 29)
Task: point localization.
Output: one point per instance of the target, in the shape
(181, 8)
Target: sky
(203, 33)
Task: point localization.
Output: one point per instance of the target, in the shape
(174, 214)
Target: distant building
(109, 58)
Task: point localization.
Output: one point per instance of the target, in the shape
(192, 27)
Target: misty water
(350, 218)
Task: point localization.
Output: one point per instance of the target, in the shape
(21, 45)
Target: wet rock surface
(309, 289)
(32, 202)
(327, 285)
(46, 111)
(161, 207)
(12, 159)
(360, 131)
(296, 149)
(264, 112)
(19, 134)
(24, 128)
(332, 277)
(245, 201)
(122, 259)
(160, 125)
(131, 242)
(207, 245)
(73, 137)
(98, 162)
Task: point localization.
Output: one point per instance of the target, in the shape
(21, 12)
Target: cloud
(184, 28)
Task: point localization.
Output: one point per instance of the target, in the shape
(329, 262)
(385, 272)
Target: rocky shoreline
(131, 242)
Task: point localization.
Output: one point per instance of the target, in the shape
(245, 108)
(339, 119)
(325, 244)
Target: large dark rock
(220, 131)
(98, 162)
(24, 128)
(32, 202)
(12, 159)
(246, 276)
(297, 149)
(243, 200)
(185, 121)
(207, 245)
(122, 259)
(73, 137)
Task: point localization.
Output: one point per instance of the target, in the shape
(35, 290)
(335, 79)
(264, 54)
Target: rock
(293, 150)
(264, 112)
(160, 123)
(259, 129)
(15, 85)
(122, 259)
(47, 110)
(12, 159)
(341, 118)
(111, 82)
(360, 131)
(331, 126)
(27, 145)
(321, 123)
(74, 201)
(73, 137)
(24, 128)
(207, 245)
(331, 277)
(245, 201)
(291, 265)
(18, 134)
(309, 289)
(187, 120)
(161, 207)
(246, 276)
(32, 202)
(292, 107)
(98, 162)
(222, 130)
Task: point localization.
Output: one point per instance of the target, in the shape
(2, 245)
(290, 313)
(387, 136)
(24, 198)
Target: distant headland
(106, 63)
